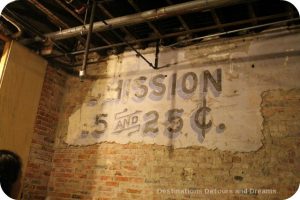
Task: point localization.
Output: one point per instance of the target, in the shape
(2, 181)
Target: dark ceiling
(38, 17)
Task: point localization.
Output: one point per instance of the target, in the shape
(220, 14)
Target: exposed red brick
(134, 191)
(121, 178)
(111, 183)
(39, 163)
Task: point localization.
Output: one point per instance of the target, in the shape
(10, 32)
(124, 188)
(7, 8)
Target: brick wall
(139, 171)
(41, 151)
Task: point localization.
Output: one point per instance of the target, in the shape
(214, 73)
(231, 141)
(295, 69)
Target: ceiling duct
(150, 15)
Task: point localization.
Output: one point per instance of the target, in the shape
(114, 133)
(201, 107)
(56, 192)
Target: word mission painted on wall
(179, 108)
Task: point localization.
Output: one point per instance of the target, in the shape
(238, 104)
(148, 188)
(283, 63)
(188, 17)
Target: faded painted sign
(128, 121)
(180, 108)
(188, 104)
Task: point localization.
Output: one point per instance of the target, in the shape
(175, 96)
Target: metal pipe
(209, 43)
(131, 2)
(87, 45)
(53, 18)
(132, 47)
(75, 15)
(234, 31)
(190, 31)
(107, 13)
(31, 29)
(28, 27)
(128, 44)
(156, 54)
(149, 15)
(19, 32)
(185, 26)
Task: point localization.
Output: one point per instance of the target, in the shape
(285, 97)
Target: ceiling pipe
(38, 36)
(156, 54)
(75, 15)
(19, 30)
(87, 45)
(187, 32)
(177, 9)
(235, 31)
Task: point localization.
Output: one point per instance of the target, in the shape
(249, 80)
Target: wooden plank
(20, 92)
(4, 55)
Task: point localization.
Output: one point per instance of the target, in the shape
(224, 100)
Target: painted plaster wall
(135, 103)
(265, 71)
